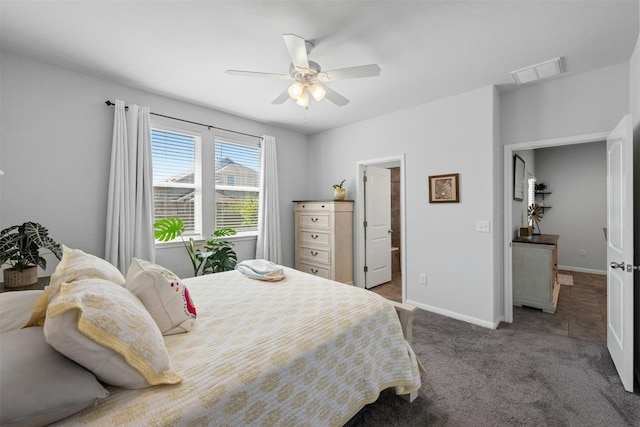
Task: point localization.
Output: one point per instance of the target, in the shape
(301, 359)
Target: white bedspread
(301, 351)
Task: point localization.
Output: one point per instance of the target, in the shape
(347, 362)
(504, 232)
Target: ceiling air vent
(543, 70)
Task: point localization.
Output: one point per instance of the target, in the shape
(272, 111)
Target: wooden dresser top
(540, 239)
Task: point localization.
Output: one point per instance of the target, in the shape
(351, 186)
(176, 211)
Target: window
(176, 177)
(237, 185)
(208, 181)
(531, 194)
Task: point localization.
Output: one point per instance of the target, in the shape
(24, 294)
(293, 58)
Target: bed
(300, 351)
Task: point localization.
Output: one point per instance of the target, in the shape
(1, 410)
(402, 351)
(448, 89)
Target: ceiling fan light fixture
(317, 91)
(303, 100)
(296, 90)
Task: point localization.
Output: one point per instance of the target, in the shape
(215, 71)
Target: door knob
(619, 265)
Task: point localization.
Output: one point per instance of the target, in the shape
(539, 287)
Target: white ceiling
(427, 50)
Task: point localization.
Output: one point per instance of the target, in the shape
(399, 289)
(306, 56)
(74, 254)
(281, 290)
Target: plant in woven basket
(20, 248)
(215, 256)
(535, 214)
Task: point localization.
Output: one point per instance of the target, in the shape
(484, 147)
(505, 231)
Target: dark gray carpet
(512, 376)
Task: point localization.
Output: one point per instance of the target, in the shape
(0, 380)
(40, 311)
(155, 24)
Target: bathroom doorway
(394, 289)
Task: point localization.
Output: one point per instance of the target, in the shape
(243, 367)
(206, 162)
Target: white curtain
(268, 245)
(130, 200)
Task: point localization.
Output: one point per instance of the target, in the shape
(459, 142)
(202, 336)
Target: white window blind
(176, 177)
(237, 183)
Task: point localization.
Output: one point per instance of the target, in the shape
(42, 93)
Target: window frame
(243, 141)
(197, 175)
(204, 171)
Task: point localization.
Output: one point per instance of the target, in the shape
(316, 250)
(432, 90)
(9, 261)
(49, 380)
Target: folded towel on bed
(261, 269)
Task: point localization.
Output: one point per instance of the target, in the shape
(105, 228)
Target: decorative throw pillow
(163, 294)
(39, 385)
(106, 329)
(74, 265)
(16, 308)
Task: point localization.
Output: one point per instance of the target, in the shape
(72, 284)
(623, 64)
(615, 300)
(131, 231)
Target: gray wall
(55, 143)
(574, 105)
(576, 176)
(452, 135)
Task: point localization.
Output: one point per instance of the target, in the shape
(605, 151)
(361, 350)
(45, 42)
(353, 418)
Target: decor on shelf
(540, 187)
(518, 178)
(216, 255)
(20, 247)
(535, 214)
(339, 192)
(444, 188)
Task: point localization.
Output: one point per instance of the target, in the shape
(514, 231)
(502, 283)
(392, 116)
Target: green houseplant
(20, 247)
(339, 192)
(216, 255)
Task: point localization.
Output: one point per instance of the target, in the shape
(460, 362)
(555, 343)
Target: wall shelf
(542, 193)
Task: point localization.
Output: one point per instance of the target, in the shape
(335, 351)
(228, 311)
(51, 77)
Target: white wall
(56, 143)
(574, 105)
(576, 175)
(453, 135)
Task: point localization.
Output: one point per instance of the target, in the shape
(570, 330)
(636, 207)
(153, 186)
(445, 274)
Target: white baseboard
(581, 270)
(454, 315)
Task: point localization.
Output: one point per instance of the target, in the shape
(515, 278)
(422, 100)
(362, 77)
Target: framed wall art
(518, 178)
(444, 188)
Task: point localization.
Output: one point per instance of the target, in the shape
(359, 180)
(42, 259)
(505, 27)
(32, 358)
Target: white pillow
(39, 385)
(77, 265)
(16, 308)
(74, 265)
(164, 296)
(106, 329)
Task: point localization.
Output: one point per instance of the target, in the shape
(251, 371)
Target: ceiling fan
(309, 79)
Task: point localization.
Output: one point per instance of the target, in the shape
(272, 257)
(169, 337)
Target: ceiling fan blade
(371, 70)
(281, 98)
(335, 97)
(258, 74)
(297, 50)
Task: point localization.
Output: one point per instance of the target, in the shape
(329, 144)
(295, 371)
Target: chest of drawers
(324, 238)
(535, 271)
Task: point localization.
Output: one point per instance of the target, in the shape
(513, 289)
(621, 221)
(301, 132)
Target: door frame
(386, 162)
(508, 196)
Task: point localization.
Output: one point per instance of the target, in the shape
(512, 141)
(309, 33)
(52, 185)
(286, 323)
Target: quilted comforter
(301, 351)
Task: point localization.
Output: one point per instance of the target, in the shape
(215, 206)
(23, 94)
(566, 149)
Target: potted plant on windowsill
(217, 255)
(20, 247)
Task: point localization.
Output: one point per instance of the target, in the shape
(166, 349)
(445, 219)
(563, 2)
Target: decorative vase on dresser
(324, 238)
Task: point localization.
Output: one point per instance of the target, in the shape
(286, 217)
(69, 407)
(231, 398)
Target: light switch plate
(483, 226)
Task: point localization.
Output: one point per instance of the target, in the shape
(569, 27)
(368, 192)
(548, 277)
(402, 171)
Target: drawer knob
(314, 236)
(314, 270)
(314, 219)
(314, 253)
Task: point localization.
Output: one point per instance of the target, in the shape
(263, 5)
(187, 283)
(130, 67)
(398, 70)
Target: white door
(377, 216)
(620, 250)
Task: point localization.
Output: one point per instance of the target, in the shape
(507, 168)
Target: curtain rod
(109, 103)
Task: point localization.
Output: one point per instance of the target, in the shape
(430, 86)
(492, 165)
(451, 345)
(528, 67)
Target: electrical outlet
(582, 252)
(423, 279)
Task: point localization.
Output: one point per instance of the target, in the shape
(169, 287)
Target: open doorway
(394, 255)
(567, 187)
(512, 222)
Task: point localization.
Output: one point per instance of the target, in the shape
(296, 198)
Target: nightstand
(42, 282)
